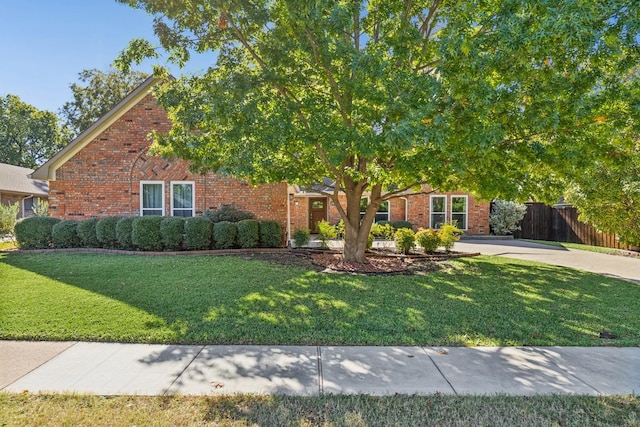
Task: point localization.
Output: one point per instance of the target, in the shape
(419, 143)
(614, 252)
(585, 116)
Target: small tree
(505, 216)
(8, 218)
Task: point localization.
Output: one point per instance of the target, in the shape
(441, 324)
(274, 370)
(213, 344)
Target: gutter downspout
(288, 218)
(406, 208)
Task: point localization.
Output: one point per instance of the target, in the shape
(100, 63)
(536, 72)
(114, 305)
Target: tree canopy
(28, 136)
(503, 98)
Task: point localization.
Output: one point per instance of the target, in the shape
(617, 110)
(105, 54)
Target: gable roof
(48, 170)
(15, 179)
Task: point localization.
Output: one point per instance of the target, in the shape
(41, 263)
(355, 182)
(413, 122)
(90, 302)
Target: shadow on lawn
(480, 301)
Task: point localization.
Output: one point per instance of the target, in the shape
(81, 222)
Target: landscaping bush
(449, 235)
(228, 213)
(171, 232)
(124, 227)
(428, 239)
(505, 216)
(326, 232)
(405, 240)
(106, 231)
(8, 218)
(198, 231)
(402, 224)
(301, 236)
(248, 233)
(87, 233)
(224, 234)
(145, 233)
(270, 234)
(65, 234)
(35, 232)
(382, 231)
(340, 231)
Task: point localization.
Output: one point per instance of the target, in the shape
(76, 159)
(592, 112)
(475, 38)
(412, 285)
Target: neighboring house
(17, 186)
(107, 171)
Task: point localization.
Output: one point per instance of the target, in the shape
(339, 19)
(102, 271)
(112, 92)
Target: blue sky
(44, 44)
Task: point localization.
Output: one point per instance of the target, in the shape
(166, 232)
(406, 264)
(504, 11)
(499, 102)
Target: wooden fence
(560, 224)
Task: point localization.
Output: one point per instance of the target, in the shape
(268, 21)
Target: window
(438, 211)
(459, 211)
(383, 213)
(182, 198)
(151, 198)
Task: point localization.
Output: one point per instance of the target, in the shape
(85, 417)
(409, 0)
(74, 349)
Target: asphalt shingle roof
(15, 179)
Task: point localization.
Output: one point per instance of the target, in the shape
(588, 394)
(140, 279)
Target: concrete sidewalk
(116, 369)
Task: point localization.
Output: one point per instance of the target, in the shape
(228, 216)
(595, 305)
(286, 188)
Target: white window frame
(142, 208)
(193, 196)
(466, 212)
(431, 211)
(375, 219)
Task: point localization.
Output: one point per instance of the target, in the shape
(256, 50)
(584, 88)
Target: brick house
(107, 171)
(17, 187)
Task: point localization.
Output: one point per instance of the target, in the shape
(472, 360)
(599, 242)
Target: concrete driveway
(620, 267)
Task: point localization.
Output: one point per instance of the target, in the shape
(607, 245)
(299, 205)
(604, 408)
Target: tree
(99, 93)
(28, 136)
(500, 98)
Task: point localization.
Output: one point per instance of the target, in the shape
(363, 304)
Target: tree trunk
(357, 230)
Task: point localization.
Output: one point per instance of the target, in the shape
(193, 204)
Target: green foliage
(383, 230)
(8, 218)
(326, 232)
(41, 208)
(98, 93)
(505, 216)
(35, 232)
(87, 233)
(106, 231)
(248, 233)
(428, 239)
(228, 213)
(28, 136)
(225, 234)
(301, 237)
(270, 234)
(449, 235)
(340, 230)
(145, 233)
(172, 231)
(401, 224)
(405, 240)
(124, 227)
(65, 234)
(198, 232)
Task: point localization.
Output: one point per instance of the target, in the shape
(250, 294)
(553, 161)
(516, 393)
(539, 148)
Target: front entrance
(317, 212)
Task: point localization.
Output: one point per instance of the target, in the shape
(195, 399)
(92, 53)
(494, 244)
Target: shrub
(449, 235)
(326, 232)
(8, 218)
(301, 236)
(35, 232)
(370, 239)
(402, 224)
(172, 231)
(505, 216)
(225, 234)
(65, 234)
(228, 213)
(270, 234)
(198, 231)
(41, 208)
(428, 239)
(382, 231)
(124, 227)
(145, 232)
(340, 230)
(405, 240)
(106, 231)
(87, 233)
(248, 233)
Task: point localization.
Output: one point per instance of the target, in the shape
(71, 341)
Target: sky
(44, 44)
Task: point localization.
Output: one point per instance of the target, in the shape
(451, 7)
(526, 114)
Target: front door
(317, 212)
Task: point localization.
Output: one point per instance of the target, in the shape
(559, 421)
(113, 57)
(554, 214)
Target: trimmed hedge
(87, 232)
(248, 233)
(124, 227)
(106, 231)
(172, 231)
(228, 213)
(270, 234)
(224, 234)
(405, 240)
(35, 232)
(428, 239)
(145, 233)
(301, 237)
(198, 231)
(65, 234)
(401, 224)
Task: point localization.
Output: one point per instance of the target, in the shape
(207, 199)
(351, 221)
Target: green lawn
(599, 249)
(228, 300)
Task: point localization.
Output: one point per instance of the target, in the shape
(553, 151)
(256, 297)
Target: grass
(228, 300)
(599, 249)
(355, 410)
(7, 244)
